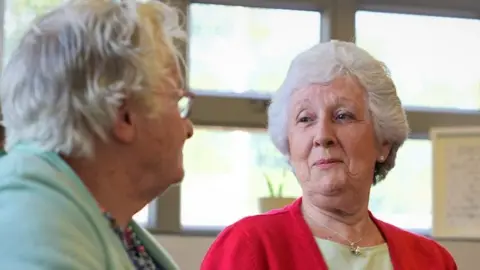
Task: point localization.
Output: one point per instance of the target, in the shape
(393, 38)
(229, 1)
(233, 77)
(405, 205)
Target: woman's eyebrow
(302, 104)
(339, 100)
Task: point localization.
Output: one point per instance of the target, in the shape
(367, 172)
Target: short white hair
(323, 63)
(76, 64)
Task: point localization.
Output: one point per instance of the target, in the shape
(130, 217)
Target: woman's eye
(344, 116)
(304, 119)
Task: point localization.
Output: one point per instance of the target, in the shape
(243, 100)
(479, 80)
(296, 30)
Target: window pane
(141, 217)
(404, 198)
(225, 176)
(433, 60)
(240, 49)
(224, 179)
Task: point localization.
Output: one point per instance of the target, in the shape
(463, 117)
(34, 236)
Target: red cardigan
(281, 240)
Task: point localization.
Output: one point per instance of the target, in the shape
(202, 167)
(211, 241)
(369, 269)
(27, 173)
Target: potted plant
(275, 198)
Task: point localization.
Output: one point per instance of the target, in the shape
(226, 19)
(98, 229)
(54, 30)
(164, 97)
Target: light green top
(50, 221)
(339, 257)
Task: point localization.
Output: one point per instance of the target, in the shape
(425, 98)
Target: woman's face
(159, 144)
(167, 134)
(333, 147)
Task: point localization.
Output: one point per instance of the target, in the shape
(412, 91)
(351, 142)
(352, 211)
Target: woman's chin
(174, 176)
(179, 175)
(332, 191)
(329, 187)
(334, 201)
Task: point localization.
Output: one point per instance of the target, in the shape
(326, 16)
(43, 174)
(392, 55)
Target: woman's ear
(384, 152)
(123, 127)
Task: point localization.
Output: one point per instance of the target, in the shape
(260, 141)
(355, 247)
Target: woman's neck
(339, 226)
(110, 188)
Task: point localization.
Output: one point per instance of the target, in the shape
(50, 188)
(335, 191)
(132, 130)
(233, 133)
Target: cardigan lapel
(308, 240)
(397, 247)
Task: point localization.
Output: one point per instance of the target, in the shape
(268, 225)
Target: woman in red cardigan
(339, 121)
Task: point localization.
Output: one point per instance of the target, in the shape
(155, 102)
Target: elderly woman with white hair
(339, 121)
(95, 119)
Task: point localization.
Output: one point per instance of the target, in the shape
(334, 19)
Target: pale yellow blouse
(339, 257)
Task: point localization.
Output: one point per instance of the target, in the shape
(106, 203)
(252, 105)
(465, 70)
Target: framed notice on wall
(456, 182)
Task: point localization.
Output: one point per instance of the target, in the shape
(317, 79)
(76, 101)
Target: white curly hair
(326, 61)
(75, 65)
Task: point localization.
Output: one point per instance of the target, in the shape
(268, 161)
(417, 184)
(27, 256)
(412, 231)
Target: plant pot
(270, 203)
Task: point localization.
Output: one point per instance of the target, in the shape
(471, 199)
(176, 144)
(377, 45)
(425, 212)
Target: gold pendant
(355, 250)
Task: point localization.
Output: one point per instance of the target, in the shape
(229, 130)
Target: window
(142, 216)
(410, 178)
(239, 54)
(225, 177)
(17, 18)
(240, 49)
(243, 51)
(433, 60)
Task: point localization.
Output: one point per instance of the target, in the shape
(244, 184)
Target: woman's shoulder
(23, 163)
(262, 229)
(272, 221)
(245, 242)
(393, 233)
(43, 207)
(34, 214)
(415, 247)
(45, 174)
(40, 192)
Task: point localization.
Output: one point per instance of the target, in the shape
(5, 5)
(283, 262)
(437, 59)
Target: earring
(382, 158)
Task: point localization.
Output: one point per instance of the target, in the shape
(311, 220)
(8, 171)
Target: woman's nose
(189, 128)
(325, 135)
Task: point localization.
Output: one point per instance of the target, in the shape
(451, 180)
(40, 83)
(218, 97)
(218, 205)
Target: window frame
(337, 22)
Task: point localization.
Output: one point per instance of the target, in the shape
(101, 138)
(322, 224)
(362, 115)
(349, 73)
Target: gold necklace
(354, 248)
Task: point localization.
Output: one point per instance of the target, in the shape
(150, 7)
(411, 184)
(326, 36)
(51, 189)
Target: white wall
(188, 251)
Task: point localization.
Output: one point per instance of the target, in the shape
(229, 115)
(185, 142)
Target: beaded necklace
(135, 249)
